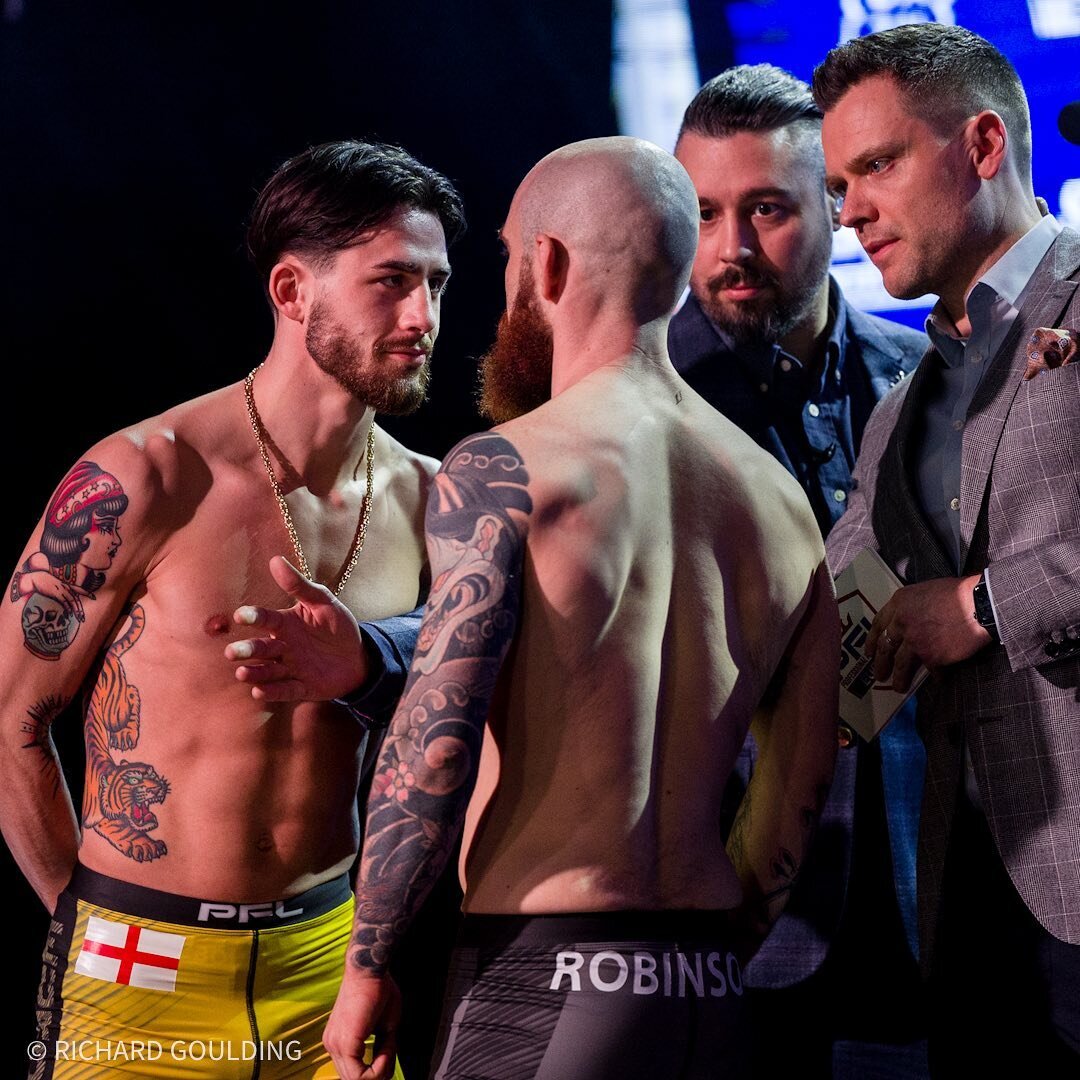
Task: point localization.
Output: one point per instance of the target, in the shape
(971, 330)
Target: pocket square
(1051, 348)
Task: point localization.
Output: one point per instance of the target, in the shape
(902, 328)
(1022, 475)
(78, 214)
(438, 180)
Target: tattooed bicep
(81, 536)
(476, 548)
(482, 473)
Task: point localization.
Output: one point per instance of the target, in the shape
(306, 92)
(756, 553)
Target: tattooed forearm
(751, 920)
(39, 720)
(784, 869)
(736, 845)
(431, 753)
(766, 888)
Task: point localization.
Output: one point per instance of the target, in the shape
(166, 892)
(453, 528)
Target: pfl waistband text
(243, 914)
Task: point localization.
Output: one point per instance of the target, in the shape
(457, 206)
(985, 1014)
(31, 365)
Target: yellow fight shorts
(141, 983)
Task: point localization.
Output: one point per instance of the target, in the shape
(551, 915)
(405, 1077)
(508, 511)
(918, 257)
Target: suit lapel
(1049, 297)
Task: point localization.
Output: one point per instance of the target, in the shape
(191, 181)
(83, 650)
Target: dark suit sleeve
(390, 644)
(1037, 602)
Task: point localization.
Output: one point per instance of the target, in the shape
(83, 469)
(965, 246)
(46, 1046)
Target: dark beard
(336, 354)
(758, 322)
(515, 373)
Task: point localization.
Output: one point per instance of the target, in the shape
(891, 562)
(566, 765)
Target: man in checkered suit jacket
(968, 484)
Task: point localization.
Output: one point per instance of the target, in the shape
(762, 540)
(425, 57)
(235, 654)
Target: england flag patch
(130, 955)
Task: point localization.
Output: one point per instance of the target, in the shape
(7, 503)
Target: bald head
(625, 210)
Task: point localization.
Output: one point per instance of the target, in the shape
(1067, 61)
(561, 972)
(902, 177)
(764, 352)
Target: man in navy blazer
(968, 487)
(769, 340)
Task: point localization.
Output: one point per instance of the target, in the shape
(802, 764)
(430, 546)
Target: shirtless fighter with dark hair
(202, 896)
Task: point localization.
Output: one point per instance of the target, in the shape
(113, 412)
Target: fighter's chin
(392, 397)
(403, 398)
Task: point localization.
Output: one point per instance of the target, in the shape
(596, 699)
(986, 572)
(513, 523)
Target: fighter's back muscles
(672, 569)
(787, 597)
(70, 593)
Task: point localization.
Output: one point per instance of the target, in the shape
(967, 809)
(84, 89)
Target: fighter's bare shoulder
(411, 472)
(162, 453)
(149, 459)
(751, 478)
(539, 444)
(129, 491)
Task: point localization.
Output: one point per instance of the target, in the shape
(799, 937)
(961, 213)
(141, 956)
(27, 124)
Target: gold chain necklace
(283, 506)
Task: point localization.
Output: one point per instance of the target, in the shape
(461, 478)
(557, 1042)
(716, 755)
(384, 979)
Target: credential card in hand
(862, 589)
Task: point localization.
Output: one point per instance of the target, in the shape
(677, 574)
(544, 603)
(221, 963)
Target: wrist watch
(984, 610)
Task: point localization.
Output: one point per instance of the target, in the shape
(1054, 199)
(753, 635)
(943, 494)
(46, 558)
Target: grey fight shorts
(594, 996)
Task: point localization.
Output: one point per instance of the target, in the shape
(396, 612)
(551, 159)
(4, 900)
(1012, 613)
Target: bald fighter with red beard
(622, 584)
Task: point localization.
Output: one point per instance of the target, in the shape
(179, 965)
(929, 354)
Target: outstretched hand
(312, 651)
(365, 1005)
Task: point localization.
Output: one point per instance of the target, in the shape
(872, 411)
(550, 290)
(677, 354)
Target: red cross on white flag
(130, 955)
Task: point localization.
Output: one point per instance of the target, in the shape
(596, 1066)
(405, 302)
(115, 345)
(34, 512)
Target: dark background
(133, 138)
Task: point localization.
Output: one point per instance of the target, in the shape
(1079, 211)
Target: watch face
(984, 610)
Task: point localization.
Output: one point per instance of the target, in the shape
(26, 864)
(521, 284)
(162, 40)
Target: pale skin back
(667, 565)
(252, 800)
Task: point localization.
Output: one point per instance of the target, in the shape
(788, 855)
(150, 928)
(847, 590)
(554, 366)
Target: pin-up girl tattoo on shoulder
(79, 541)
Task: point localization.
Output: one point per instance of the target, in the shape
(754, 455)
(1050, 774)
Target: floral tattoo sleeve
(428, 763)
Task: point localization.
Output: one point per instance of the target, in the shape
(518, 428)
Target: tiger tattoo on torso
(118, 795)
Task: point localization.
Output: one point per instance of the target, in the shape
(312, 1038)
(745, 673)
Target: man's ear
(834, 204)
(988, 143)
(291, 287)
(554, 264)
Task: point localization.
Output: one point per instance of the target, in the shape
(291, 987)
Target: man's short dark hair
(944, 73)
(758, 97)
(323, 200)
